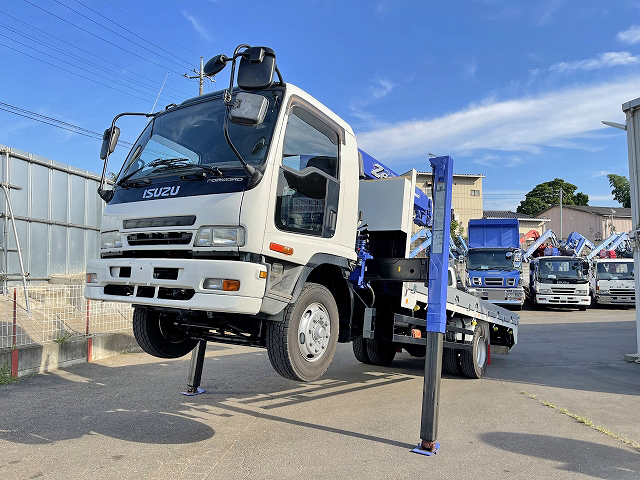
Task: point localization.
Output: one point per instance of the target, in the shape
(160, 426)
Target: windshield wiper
(167, 163)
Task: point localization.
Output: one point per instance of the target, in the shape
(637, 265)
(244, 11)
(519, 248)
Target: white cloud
(381, 88)
(602, 60)
(601, 173)
(600, 198)
(520, 125)
(630, 36)
(470, 69)
(198, 26)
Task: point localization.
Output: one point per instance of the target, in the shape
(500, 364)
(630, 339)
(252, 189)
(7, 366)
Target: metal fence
(57, 212)
(57, 313)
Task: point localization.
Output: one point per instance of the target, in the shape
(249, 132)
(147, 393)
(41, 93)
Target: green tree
(621, 190)
(546, 194)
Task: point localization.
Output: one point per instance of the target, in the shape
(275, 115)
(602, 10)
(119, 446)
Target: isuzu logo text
(160, 192)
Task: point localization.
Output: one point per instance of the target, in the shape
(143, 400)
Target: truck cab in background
(611, 281)
(559, 281)
(494, 261)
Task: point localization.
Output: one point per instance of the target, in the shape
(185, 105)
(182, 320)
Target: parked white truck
(611, 281)
(559, 281)
(235, 219)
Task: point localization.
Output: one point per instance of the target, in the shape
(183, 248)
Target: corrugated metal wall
(58, 214)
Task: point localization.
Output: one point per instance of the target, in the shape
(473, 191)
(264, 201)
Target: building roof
(510, 214)
(472, 175)
(618, 212)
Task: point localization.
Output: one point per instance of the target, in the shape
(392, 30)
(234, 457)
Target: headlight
(603, 290)
(109, 240)
(219, 236)
(545, 290)
(581, 292)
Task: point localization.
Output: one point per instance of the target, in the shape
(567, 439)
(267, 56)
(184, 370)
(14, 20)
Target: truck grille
(563, 290)
(493, 281)
(160, 238)
(622, 291)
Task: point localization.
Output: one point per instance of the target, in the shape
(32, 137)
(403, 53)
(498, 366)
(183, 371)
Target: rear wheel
(360, 350)
(451, 362)
(302, 346)
(158, 336)
(380, 353)
(474, 362)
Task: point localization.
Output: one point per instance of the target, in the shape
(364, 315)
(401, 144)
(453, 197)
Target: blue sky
(513, 90)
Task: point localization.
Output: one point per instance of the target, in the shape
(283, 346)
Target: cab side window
(308, 186)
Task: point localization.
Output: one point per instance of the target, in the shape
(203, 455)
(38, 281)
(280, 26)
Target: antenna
(154, 103)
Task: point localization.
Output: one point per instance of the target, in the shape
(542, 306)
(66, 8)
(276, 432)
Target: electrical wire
(101, 69)
(119, 34)
(75, 66)
(151, 28)
(74, 73)
(58, 39)
(103, 39)
(132, 33)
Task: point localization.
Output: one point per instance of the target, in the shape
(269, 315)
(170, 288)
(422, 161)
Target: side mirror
(256, 69)
(248, 109)
(109, 141)
(585, 269)
(215, 65)
(508, 255)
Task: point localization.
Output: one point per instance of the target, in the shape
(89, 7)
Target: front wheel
(302, 346)
(157, 335)
(474, 362)
(582, 308)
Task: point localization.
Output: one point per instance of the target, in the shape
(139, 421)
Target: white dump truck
(240, 217)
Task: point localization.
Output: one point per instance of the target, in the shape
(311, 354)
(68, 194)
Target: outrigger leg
(195, 370)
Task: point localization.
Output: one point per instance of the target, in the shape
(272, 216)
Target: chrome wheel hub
(314, 332)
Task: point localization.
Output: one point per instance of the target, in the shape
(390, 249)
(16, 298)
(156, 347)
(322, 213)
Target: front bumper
(142, 286)
(563, 299)
(616, 299)
(499, 296)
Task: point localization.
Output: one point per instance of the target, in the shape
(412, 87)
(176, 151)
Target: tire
(315, 310)
(360, 350)
(474, 362)
(380, 353)
(156, 335)
(582, 308)
(451, 362)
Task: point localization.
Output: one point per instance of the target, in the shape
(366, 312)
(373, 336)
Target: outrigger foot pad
(192, 392)
(426, 448)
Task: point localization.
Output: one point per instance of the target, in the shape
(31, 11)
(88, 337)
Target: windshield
(615, 271)
(191, 138)
(490, 260)
(560, 269)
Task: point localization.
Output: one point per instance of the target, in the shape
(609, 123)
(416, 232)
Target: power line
(103, 39)
(132, 33)
(75, 66)
(119, 34)
(92, 54)
(74, 73)
(151, 28)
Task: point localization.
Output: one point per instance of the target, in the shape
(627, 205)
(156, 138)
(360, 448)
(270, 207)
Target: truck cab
(559, 281)
(494, 262)
(612, 281)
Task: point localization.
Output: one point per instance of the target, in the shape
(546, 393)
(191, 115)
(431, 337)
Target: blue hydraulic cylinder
(440, 242)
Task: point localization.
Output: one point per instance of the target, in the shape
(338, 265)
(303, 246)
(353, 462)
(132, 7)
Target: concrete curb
(46, 357)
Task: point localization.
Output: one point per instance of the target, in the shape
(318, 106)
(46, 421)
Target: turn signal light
(231, 285)
(416, 333)
(276, 247)
(262, 274)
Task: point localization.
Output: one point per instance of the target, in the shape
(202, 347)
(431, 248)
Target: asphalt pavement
(124, 417)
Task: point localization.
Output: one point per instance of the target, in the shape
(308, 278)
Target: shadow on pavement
(578, 456)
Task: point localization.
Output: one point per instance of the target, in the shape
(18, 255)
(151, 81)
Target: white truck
(235, 217)
(559, 281)
(611, 282)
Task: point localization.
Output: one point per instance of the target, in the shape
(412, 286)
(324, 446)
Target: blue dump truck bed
(494, 232)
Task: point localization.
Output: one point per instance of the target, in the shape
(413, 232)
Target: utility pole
(200, 76)
(561, 191)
